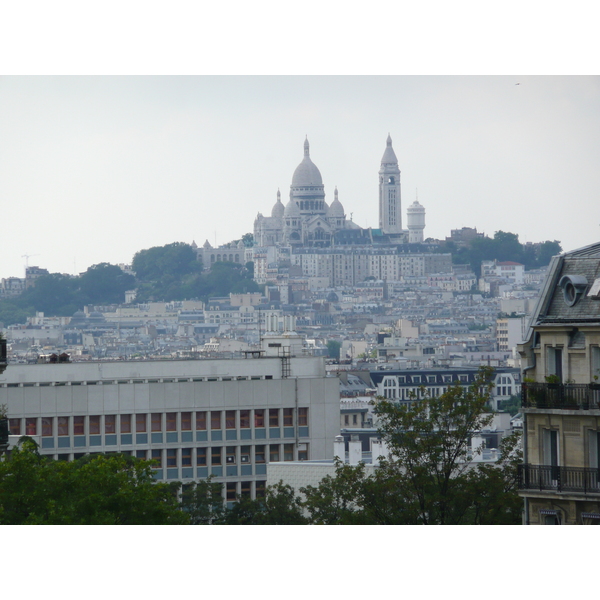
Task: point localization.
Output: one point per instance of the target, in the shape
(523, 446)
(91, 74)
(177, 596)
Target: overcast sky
(94, 169)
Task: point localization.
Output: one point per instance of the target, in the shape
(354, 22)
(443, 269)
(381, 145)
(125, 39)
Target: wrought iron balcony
(572, 396)
(559, 479)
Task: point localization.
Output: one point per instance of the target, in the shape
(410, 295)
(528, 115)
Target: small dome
(206, 245)
(306, 173)
(278, 208)
(292, 209)
(336, 209)
(240, 244)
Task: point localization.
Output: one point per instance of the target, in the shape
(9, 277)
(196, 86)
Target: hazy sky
(93, 169)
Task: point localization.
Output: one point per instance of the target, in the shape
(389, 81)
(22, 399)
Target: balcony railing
(574, 396)
(559, 479)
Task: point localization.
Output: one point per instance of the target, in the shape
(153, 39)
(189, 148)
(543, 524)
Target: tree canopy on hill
(61, 295)
(163, 273)
(504, 246)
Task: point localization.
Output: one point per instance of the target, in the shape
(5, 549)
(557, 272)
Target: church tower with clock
(390, 219)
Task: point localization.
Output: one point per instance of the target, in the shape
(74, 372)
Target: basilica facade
(307, 221)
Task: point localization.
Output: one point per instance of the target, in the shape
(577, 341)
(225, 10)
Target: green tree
(333, 349)
(105, 284)
(546, 251)
(96, 490)
(337, 499)
(203, 502)
(430, 441)
(280, 506)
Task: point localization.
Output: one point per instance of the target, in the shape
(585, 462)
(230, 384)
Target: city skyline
(95, 169)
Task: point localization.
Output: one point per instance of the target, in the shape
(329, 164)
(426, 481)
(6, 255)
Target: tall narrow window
(288, 417)
(303, 417)
(244, 419)
(110, 424)
(156, 422)
(245, 454)
(274, 453)
(140, 423)
(259, 454)
(259, 418)
(230, 419)
(201, 421)
(31, 426)
(46, 426)
(125, 423)
(157, 457)
(231, 492)
(216, 454)
(230, 455)
(550, 448)
(186, 421)
(246, 489)
(95, 425)
(201, 457)
(273, 417)
(186, 457)
(215, 419)
(78, 425)
(63, 426)
(171, 457)
(288, 452)
(171, 421)
(15, 426)
(554, 362)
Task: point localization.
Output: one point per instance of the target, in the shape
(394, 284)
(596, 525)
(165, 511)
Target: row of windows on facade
(137, 381)
(215, 456)
(155, 422)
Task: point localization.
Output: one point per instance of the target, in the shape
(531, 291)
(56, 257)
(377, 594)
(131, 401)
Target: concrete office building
(226, 417)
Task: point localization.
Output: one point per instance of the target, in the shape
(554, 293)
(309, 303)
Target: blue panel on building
(172, 437)
(201, 436)
(64, 442)
(187, 472)
(187, 436)
(126, 439)
(141, 438)
(158, 474)
(303, 431)
(172, 473)
(217, 471)
(246, 434)
(261, 469)
(79, 441)
(202, 472)
(231, 471)
(231, 434)
(47, 442)
(246, 470)
(216, 436)
(260, 434)
(274, 432)
(289, 432)
(95, 440)
(110, 440)
(156, 438)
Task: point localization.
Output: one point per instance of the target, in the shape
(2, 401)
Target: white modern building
(226, 417)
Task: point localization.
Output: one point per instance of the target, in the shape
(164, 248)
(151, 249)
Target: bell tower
(390, 218)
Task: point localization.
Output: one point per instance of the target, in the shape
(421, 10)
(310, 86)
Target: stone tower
(390, 219)
(415, 220)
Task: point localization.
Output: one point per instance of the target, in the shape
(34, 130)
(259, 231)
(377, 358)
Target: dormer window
(573, 287)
